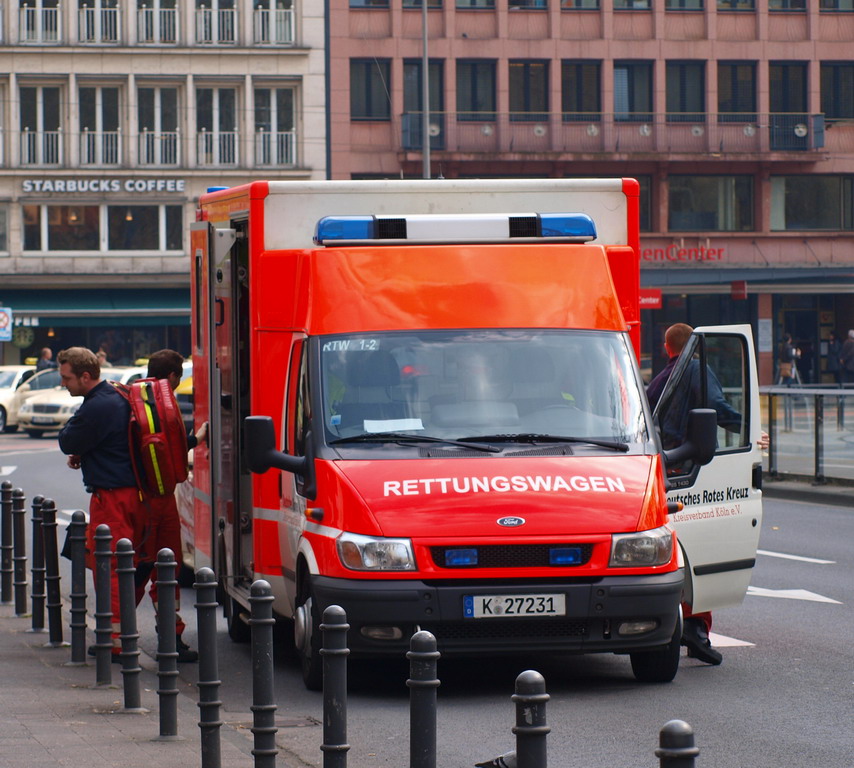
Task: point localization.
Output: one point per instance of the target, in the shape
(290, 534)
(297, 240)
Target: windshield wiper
(400, 437)
(536, 437)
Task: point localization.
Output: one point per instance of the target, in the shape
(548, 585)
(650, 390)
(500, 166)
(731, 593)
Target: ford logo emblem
(511, 522)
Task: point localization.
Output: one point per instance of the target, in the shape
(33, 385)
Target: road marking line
(791, 594)
(6, 471)
(795, 557)
(722, 641)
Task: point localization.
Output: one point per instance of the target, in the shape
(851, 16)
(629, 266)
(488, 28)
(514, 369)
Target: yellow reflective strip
(154, 464)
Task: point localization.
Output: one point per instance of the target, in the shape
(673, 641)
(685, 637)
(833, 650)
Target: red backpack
(158, 438)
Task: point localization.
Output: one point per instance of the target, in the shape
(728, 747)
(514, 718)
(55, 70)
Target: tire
(3, 427)
(34, 432)
(307, 637)
(661, 665)
(238, 630)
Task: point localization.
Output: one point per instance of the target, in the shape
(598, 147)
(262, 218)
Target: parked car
(50, 410)
(42, 381)
(11, 377)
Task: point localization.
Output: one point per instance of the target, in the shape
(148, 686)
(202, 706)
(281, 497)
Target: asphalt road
(784, 695)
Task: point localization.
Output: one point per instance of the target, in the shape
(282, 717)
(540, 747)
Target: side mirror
(701, 439)
(261, 452)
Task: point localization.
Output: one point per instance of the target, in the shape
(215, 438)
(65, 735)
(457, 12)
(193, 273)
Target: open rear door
(718, 528)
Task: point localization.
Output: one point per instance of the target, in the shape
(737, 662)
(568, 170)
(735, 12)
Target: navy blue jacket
(98, 433)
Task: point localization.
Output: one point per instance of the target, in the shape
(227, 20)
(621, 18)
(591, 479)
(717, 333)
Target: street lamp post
(425, 94)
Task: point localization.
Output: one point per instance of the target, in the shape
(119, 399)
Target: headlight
(630, 550)
(26, 408)
(366, 553)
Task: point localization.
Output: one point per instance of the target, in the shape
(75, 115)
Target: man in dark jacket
(96, 441)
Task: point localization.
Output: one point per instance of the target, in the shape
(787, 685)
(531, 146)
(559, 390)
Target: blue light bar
(455, 228)
(565, 555)
(455, 558)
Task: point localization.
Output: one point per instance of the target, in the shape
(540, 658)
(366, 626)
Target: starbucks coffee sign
(99, 186)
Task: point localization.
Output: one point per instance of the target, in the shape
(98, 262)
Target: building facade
(736, 116)
(115, 115)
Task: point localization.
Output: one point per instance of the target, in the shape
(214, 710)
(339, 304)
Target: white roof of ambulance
(293, 208)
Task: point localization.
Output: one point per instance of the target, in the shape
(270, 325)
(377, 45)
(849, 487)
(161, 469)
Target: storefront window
(710, 203)
(811, 202)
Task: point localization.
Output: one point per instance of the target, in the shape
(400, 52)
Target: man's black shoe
(696, 640)
(116, 659)
(186, 655)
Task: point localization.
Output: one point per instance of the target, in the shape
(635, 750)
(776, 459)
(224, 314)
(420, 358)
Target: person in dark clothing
(834, 355)
(96, 442)
(45, 360)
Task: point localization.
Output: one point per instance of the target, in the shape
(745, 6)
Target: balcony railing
(41, 147)
(158, 148)
(274, 27)
(217, 148)
(577, 132)
(38, 25)
(157, 26)
(100, 148)
(275, 148)
(215, 26)
(98, 25)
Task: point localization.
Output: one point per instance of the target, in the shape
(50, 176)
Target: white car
(50, 410)
(27, 387)
(11, 377)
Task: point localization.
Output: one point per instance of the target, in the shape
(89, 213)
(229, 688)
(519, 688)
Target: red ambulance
(425, 406)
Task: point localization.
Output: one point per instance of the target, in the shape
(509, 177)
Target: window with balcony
(274, 22)
(581, 90)
(736, 91)
(216, 126)
(475, 90)
(845, 6)
(837, 90)
(40, 121)
(157, 126)
(216, 22)
(39, 21)
(370, 84)
(275, 127)
(157, 22)
(100, 139)
(788, 101)
(413, 104)
(710, 203)
(686, 91)
(529, 90)
(812, 202)
(633, 91)
(102, 228)
(98, 21)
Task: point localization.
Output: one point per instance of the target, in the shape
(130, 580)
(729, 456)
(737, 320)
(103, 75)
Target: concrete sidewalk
(52, 715)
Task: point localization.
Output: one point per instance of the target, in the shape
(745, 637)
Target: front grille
(44, 408)
(512, 555)
(532, 630)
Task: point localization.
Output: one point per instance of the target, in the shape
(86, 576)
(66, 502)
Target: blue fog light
(459, 557)
(565, 556)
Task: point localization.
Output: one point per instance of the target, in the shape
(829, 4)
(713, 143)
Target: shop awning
(782, 280)
(99, 307)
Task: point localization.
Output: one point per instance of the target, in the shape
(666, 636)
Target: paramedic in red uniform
(165, 523)
(96, 441)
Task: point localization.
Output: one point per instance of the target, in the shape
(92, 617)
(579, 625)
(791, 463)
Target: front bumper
(595, 610)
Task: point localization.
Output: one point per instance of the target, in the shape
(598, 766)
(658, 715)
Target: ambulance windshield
(464, 384)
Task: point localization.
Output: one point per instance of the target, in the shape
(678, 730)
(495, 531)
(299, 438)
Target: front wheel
(659, 666)
(307, 638)
(34, 432)
(3, 426)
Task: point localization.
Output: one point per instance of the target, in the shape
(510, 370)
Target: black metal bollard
(129, 635)
(167, 653)
(6, 542)
(19, 550)
(263, 700)
(52, 577)
(37, 570)
(423, 661)
(103, 606)
(209, 682)
(334, 652)
(531, 729)
(677, 748)
(77, 543)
